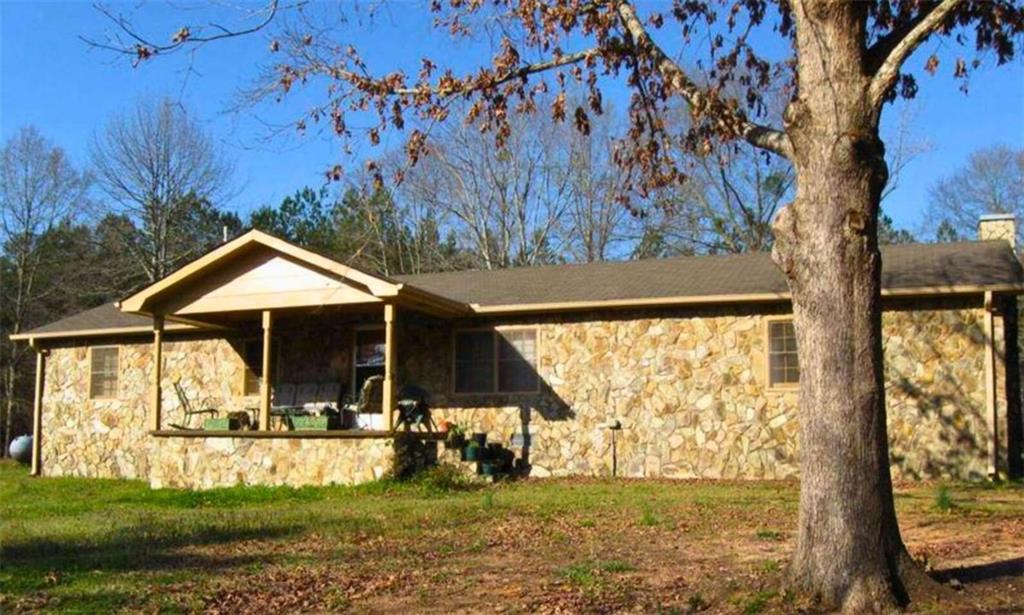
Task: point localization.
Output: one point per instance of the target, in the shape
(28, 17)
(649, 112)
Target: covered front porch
(313, 343)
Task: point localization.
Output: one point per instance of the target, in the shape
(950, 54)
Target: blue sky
(50, 78)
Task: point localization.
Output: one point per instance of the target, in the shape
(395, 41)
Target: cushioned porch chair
(368, 407)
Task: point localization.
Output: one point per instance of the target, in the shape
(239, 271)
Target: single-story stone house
(692, 357)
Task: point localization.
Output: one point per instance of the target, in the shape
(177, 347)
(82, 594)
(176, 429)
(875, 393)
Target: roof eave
(564, 306)
(112, 331)
(447, 307)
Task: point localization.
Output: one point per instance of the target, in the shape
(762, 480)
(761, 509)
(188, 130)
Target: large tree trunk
(849, 553)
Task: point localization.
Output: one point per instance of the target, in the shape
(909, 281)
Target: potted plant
(490, 468)
(480, 438)
(456, 439)
(472, 451)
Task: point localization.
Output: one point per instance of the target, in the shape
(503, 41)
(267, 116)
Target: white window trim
(774, 386)
(117, 373)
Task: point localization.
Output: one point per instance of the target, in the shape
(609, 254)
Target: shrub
(444, 478)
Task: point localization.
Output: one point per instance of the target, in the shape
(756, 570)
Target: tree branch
(734, 121)
(518, 73)
(889, 53)
(143, 49)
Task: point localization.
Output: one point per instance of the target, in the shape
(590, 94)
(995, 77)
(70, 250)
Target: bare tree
(845, 62)
(507, 204)
(727, 204)
(39, 189)
(159, 169)
(595, 226)
(734, 190)
(904, 144)
(992, 182)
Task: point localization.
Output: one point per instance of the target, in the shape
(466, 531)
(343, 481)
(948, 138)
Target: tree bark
(849, 553)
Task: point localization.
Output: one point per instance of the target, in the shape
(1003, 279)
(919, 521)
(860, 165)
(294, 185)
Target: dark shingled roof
(106, 316)
(908, 266)
(975, 263)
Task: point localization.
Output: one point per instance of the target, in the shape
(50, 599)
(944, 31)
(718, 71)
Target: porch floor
(338, 434)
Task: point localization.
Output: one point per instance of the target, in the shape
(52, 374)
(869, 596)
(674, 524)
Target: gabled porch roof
(256, 272)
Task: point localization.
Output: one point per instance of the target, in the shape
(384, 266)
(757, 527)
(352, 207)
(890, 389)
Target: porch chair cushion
(283, 395)
(368, 406)
(371, 398)
(306, 395)
(327, 396)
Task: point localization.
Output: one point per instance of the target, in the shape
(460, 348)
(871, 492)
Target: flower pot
(471, 453)
(489, 468)
(455, 442)
(480, 438)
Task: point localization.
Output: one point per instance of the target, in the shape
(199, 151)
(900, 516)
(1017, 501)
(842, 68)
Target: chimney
(998, 226)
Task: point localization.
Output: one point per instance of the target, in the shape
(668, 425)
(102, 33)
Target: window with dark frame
(103, 365)
(474, 362)
(783, 368)
(502, 361)
(517, 360)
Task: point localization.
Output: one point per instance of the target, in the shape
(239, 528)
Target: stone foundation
(205, 463)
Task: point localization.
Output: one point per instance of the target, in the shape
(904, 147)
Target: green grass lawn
(440, 545)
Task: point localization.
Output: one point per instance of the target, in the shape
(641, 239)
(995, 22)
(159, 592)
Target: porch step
(469, 469)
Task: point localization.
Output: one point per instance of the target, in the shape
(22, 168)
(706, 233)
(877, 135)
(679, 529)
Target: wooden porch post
(37, 407)
(991, 406)
(265, 376)
(388, 401)
(158, 362)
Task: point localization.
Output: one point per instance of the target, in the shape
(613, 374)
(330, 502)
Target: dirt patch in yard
(670, 554)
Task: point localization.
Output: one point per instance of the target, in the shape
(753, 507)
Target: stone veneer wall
(204, 463)
(688, 385)
(935, 393)
(107, 438)
(99, 438)
(691, 391)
